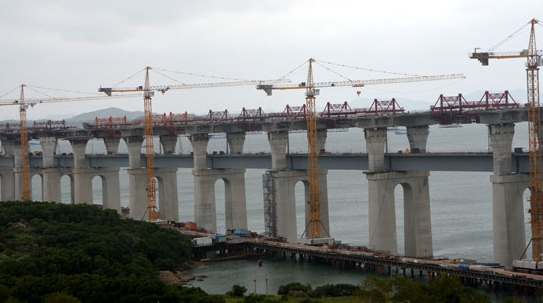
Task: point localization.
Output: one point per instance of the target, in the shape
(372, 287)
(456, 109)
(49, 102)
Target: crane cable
(9, 92)
(166, 76)
(130, 77)
(64, 90)
(294, 70)
(198, 75)
(508, 37)
(327, 68)
(368, 69)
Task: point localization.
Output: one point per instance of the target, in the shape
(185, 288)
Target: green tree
(237, 291)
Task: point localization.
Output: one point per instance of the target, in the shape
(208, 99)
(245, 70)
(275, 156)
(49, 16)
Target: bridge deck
(469, 162)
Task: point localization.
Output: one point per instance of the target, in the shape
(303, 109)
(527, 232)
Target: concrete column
(137, 181)
(322, 134)
(17, 169)
(382, 214)
(417, 136)
(235, 199)
(8, 184)
(168, 144)
(51, 185)
(285, 206)
(375, 145)
(278, 143)
(199, 150)
(48, 147)
(83, 185)
(508, 217)
(8, 147)
(284, 183)
(111, 190)
(501, 141)
(82, 177)
(51, 175)
(167, 187)
(325, 217)
(134, 151)
(235, 142)
(417, 218)
(112, 145)
(79, 147)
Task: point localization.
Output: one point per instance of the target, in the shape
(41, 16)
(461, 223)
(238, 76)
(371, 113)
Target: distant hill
(105, 113)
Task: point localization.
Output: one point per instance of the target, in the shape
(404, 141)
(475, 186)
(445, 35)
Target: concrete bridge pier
(17, 170)
(376, 139)
(82, 175)
(112, 145)
(507, 193)
(381, 185)
(279, 191)
(205, 212)
(235, 142)
(51, 174)
(168, 144)
(137, 179)
(8, 184)
(417, 137)
(417, 217)
(167, 193)
(283, 208)
(235, 198)
(8, 177)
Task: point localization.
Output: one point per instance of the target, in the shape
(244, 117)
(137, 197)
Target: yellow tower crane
(24, 104)
(533, 57)
(148, 93)
(314, 226)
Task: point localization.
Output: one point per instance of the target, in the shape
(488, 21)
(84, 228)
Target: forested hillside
(51, 252)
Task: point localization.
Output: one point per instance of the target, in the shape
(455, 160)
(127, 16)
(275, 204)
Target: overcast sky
(80, 45)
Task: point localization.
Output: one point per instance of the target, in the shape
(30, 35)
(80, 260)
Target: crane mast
(536, 169)
(25, 161)
(315, 222)
(149, 150)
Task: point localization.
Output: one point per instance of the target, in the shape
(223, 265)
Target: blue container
(240, 233)
(518, 149)
(220, 238)
(463, 266)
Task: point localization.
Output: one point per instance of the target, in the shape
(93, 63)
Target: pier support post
(382, 217)
(278, 143)
(205, 212)
(8, 184)
(82, 175)
(168, 198)
(168, 144)
(417, 137)
(376, 139)
(112, 145)
(137, 179)
(235, 142)
(51, 174)
(507, 193)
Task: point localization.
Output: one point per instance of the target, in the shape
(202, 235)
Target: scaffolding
(270, 205)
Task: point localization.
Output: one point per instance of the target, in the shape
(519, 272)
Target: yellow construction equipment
(24, 104)
(148, 93)
(533, 57)
(315, 224)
